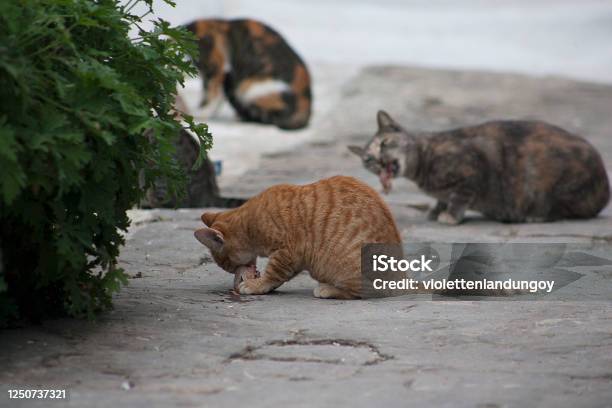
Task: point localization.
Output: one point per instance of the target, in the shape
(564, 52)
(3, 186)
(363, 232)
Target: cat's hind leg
(268, 108)
(256, 99)
(274, 108)
(457, 205)
(326, 291)
(435, 212)
(295, 114)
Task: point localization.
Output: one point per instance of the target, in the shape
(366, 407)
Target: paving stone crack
(251, 352)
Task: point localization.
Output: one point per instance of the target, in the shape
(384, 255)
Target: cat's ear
(209, 218)
(210, 237)
(358, 150)
(385, 121)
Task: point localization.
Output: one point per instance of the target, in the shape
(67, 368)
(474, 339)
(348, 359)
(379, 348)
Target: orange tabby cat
(319, 227)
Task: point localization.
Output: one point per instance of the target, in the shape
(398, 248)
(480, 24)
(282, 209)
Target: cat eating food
(263, 78)
(243, 273)
(510, 171)
(318, 227)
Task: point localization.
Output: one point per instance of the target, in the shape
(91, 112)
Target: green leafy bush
(76, 95)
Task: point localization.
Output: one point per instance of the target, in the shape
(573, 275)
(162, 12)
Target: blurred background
(569, 38)
(543, 37)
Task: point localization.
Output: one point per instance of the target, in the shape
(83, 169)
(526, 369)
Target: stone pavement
(178, 337)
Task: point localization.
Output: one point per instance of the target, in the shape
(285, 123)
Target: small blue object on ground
(218, 167)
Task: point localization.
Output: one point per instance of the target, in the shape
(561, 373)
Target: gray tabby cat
(511, 171)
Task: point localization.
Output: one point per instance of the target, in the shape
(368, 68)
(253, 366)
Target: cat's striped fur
(319, 227)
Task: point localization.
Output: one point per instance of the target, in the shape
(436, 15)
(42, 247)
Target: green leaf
(77, 96)
(13, 178)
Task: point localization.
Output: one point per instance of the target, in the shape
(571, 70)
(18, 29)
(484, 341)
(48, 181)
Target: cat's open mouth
(387, 173)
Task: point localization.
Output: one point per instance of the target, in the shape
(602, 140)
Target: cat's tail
(301, 99)
(593, 196)
(298, 120)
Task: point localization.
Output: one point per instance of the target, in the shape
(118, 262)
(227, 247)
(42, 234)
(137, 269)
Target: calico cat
(319, 227)
(202, 189)
(511, 171)
(262, 76)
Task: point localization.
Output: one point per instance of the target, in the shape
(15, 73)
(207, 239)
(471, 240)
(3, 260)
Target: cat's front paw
(446, 218)
(256, 286)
